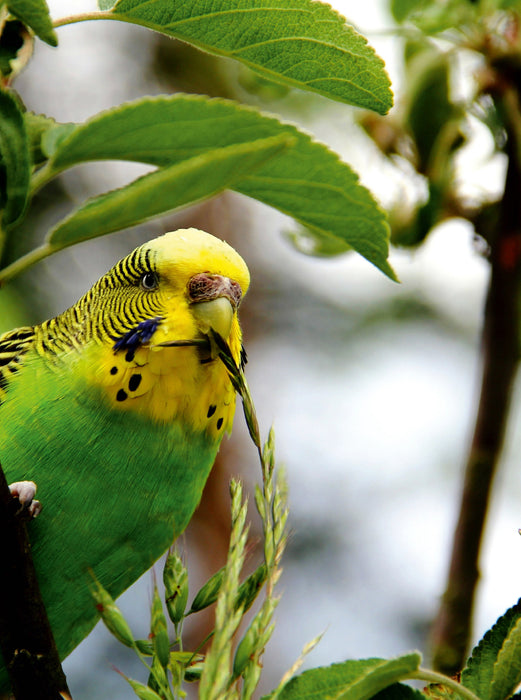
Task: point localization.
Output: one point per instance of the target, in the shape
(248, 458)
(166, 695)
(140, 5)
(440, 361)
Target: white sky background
(375, 441)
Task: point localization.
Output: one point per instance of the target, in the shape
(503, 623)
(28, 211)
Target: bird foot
(25, 491)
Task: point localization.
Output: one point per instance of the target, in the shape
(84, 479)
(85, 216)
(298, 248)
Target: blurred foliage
(447, 43)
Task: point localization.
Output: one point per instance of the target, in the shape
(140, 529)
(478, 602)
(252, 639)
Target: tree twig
(26, 639)
(500, 357)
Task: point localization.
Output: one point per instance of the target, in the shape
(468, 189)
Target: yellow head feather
(131, 334)
(181, 254)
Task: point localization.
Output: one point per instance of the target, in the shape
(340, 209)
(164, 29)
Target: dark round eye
(149, 281)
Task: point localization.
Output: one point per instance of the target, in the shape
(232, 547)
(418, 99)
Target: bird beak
(214, 300)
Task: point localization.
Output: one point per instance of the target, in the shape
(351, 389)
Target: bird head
(173, 290)
(145, 332)
(202, 272)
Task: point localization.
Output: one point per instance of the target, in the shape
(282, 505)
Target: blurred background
(371, 385)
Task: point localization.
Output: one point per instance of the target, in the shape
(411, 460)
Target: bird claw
(25, 491)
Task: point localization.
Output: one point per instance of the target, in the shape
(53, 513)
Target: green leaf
(300, 43)
(53, 138)
(429, 107)
(14, 166)
(309, 183)
(435, 17)
(479, 671)
(351, 680)
(402, 9)
(16, 48)
(207, 595)
(314, 243)
(507, 669)
(164, 190)
(35, 14)
(37, 126)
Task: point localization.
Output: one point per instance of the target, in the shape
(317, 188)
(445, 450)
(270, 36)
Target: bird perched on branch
(116, 409)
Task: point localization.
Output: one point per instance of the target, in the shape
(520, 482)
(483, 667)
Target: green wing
(116, 488)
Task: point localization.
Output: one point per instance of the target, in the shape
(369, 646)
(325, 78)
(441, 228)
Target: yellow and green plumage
(116, 409)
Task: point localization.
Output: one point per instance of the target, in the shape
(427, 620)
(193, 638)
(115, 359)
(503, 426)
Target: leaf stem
(24, 262)
(82, 17)
(425, 674)
(40, 178)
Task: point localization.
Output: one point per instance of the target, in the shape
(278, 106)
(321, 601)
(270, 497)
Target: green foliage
(306, 181)
(14, 164)
(486, 669)
(351, 680)
(311, 184)
(429, 111)
(35, 14)
(164, 190)
(433, 122)
(300, 43)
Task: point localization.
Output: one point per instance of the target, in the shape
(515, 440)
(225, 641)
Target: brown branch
(26, 640)
(500, 356)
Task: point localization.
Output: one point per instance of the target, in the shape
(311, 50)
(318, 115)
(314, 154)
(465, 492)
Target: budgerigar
(116, 409)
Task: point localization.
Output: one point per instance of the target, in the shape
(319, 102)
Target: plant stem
(30, 258)
(82, 17)
(500, 356)
(41, 177)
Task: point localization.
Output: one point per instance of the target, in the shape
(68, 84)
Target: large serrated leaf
(352, 680)
(310, 183)
(35, 14)
(507, 669)
(164, 190)
(479, 672)
(14, 160)
(300, 43)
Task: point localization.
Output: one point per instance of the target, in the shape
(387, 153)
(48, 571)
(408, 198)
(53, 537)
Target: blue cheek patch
(137, 336)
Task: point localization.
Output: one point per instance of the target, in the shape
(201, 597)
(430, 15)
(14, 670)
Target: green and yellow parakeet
(116, 409)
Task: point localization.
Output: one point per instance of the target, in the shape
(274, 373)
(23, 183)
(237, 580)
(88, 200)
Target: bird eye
(149, 281)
